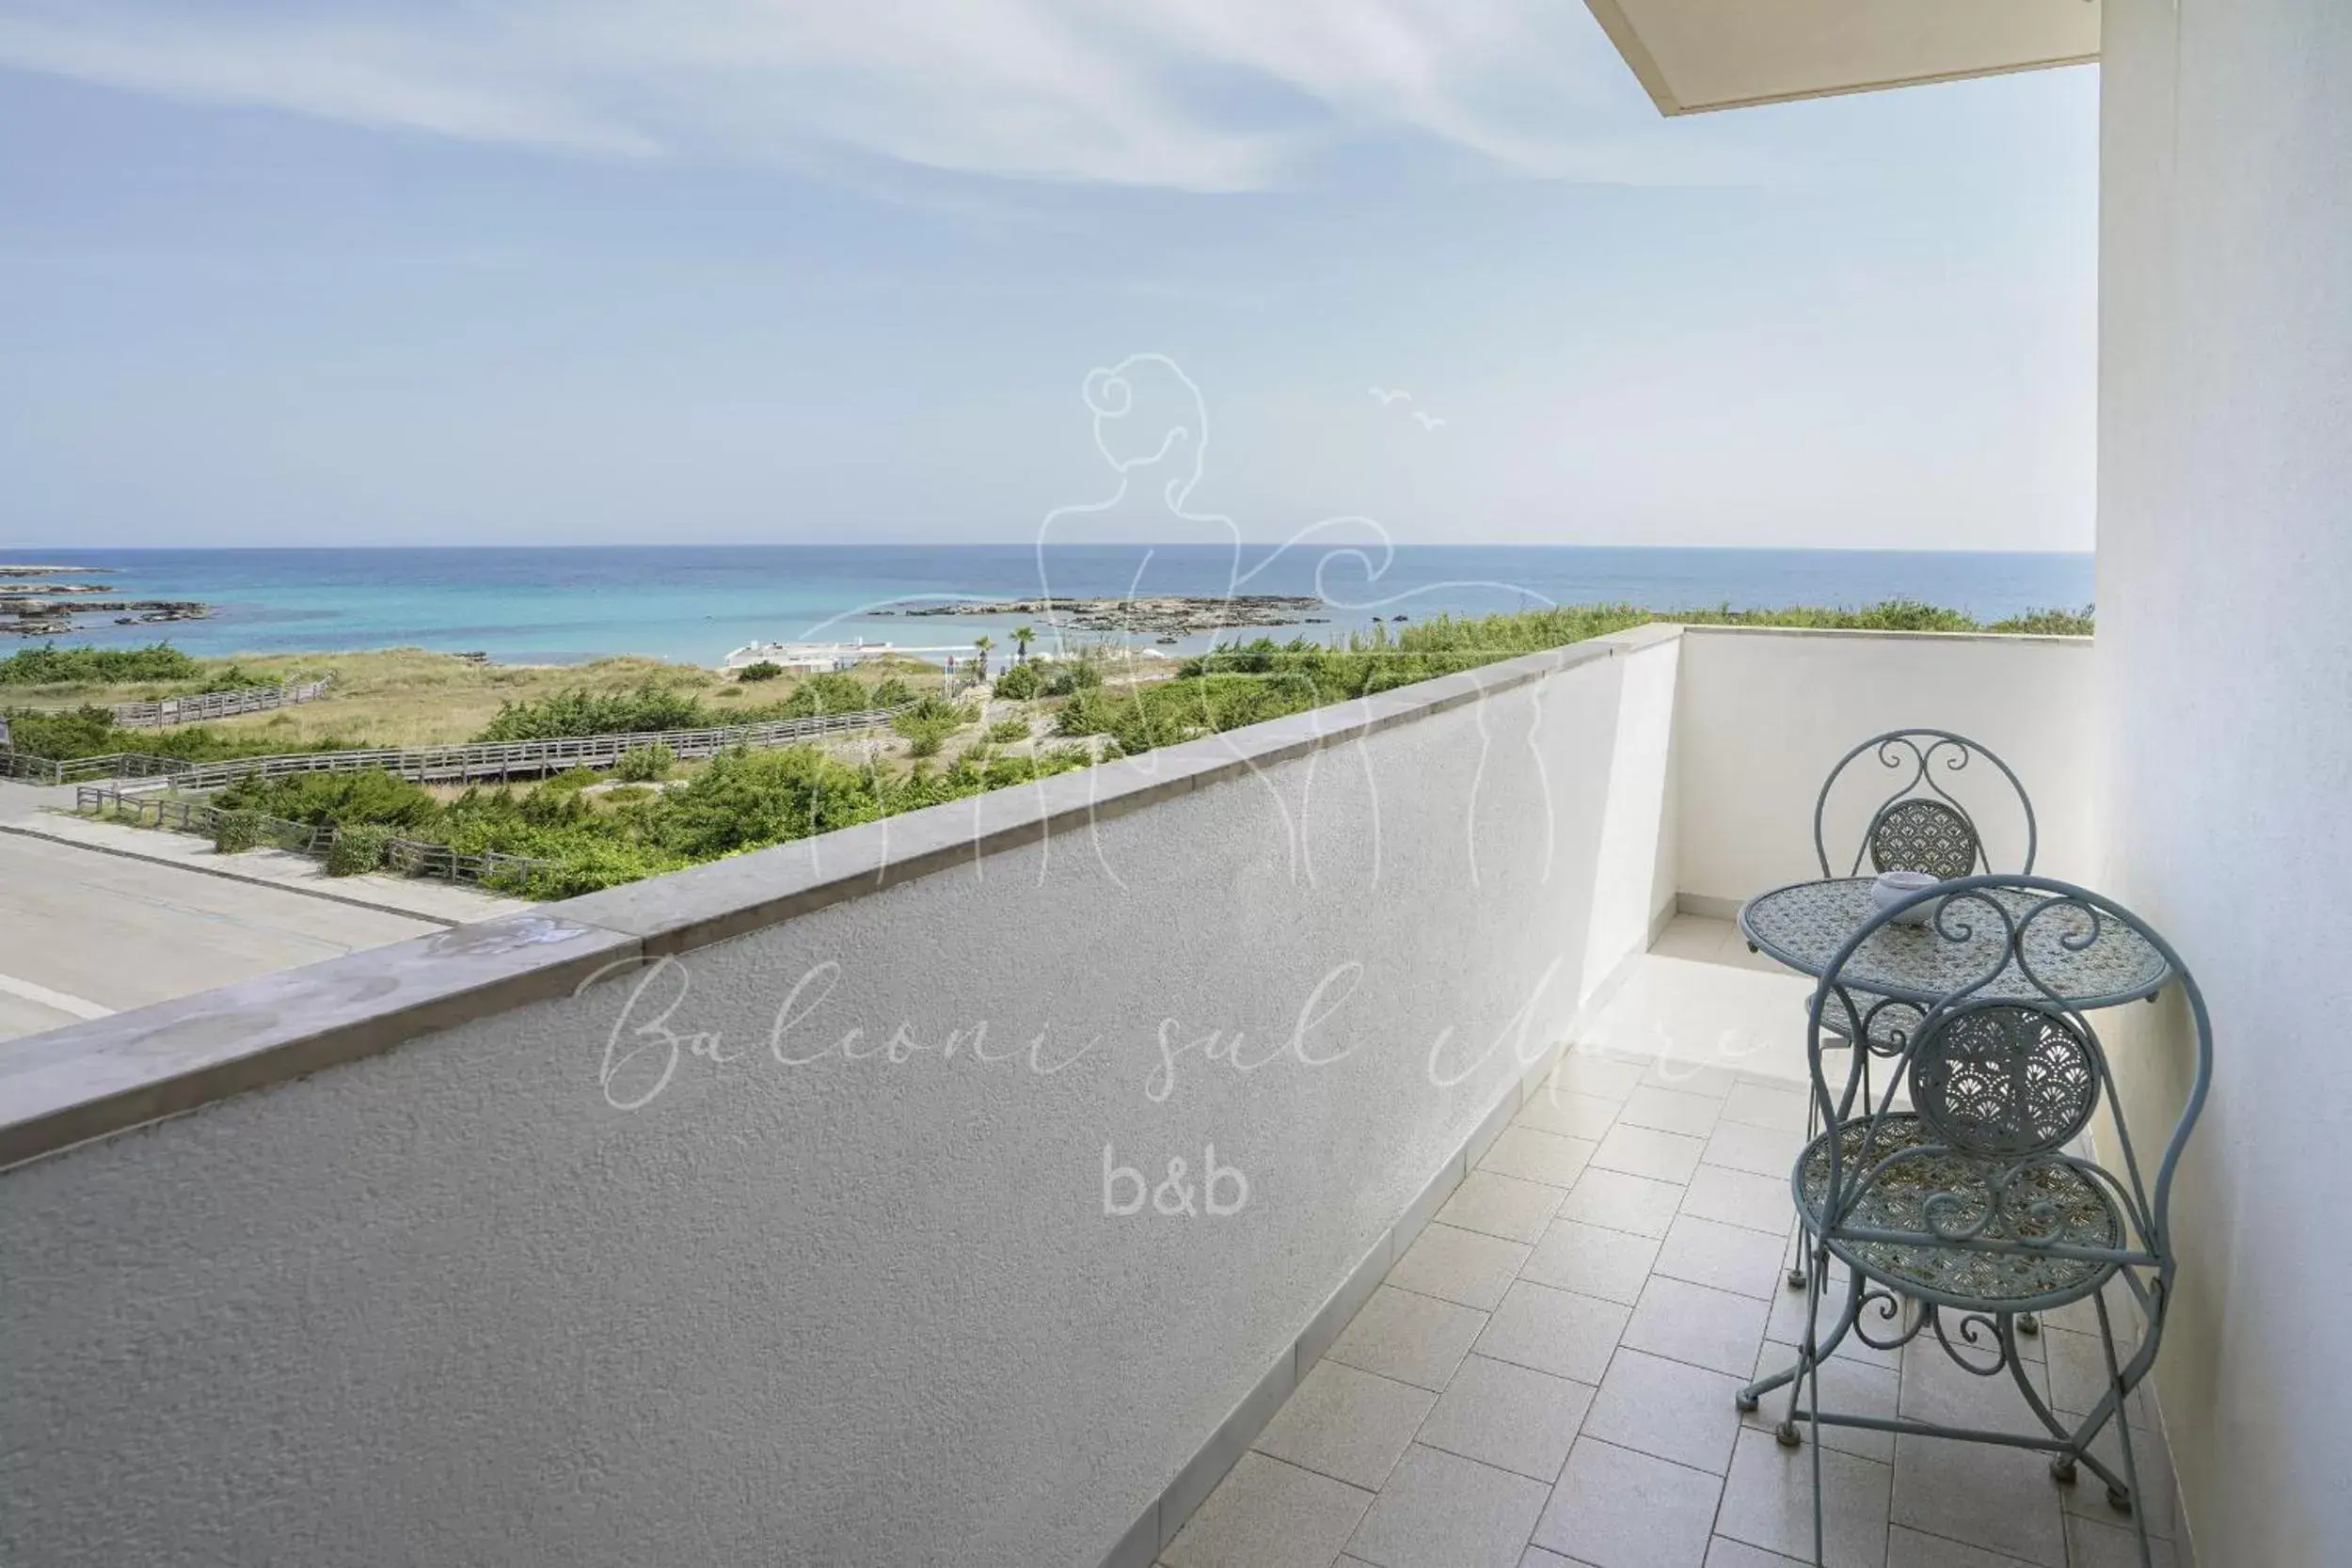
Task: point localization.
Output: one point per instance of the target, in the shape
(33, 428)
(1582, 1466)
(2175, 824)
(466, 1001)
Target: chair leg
(2133, 1495)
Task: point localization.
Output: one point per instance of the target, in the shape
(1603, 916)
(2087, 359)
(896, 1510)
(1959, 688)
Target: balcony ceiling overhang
(1699, 54)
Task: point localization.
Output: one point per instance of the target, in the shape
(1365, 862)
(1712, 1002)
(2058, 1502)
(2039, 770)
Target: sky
(808, 271)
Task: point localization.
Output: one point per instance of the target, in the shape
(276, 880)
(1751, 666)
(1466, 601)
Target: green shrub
(766, 670)
(335, 799)
(2052, 623)
(651, 707)
(235, 832)
(91, 731)
(1072, 675)
(890, 691)
(358, 850)
(50, 665)
(1010, 732)
(644, 764)
(831, 693)
(627, 795)
(927, 724)
(1020, 683)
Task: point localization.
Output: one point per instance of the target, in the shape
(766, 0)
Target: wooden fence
(505, 759)
(407, 856)
(114, 764)
(217, 705)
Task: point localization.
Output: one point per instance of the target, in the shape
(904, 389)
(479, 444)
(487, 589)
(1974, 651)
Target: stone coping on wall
(91, 1080)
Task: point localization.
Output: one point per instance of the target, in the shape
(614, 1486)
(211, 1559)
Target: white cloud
(1194, 94)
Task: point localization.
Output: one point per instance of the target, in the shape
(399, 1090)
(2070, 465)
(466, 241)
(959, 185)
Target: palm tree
(983, 643)
(1021, 638)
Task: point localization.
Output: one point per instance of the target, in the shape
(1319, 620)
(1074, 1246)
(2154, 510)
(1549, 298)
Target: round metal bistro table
(1804, 925)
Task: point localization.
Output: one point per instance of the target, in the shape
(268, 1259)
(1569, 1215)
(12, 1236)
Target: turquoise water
(695, 603)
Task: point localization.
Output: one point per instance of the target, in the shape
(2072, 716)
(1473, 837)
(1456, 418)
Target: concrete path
(443, 903)
(98, 918)
(83, 933)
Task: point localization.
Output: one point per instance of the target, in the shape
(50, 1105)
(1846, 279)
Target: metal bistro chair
(1920, 827)
(1957, 1217)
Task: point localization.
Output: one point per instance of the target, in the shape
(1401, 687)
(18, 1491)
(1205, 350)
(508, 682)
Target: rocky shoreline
(49, 608)
(1168, 618)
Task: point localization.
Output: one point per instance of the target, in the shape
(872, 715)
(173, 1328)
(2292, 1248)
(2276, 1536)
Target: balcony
(1360, 1133)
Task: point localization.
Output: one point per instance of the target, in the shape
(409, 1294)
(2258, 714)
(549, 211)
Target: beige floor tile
(1592, 1260)
(1727, 1256)
(1768, 1503)
(1741, 1197)
(1501, 1206)
(1615, 1507)
(1908, 1548)
(1553, 1109)
(1712, 1074)
(1646, 1152)
(1532, 1156)
(1936, 1389)
(1350, 1425)
(1622, 1202)
(2079, 1374)
(1672, 1111)
(1466, 1266)
(1554, 1331)
(1761, 1150)
(1442, 1510)
(2088, 1497)
(2093, 1545)
(1765, 1105)
(1981, 1495)
(1537, 1558)
(1270, 1514)
(1724, 1552)
(1847, 1386)
(1511, 1416)
(1667, 1409)
(1413, 1338)
(1599, 1074)
(1707, 1327)
(1692, 939)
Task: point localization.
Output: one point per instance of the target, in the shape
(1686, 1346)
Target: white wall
(1764, 715)
(448, 1306)
(2225, 656)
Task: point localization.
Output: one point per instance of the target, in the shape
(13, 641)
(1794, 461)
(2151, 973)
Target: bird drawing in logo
(1429, 422)
(1387, 396)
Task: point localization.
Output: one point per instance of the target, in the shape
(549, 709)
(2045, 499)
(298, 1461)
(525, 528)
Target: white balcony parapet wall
(792, 1247)
(1764, 713)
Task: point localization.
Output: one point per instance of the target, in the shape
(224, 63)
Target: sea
(697, 603)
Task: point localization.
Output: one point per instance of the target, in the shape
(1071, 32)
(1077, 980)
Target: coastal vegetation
(598, 837)
(1249, 683)
(50, 665)
(653, 814)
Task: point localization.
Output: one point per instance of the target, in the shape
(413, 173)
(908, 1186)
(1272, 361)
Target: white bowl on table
(1893, 887)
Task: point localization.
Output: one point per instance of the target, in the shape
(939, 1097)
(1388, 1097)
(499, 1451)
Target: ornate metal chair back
(2004, 1073)
(1922, 825)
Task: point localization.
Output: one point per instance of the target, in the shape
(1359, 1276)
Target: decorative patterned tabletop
(1804, 926)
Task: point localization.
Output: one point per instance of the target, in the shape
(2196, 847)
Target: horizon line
(1019, 543)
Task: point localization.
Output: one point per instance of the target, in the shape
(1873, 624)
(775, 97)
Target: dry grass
(409, 697)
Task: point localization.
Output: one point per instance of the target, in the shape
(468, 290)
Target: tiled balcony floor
(1546, 1379)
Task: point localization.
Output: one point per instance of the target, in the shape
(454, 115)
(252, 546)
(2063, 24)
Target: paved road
(83, 933)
